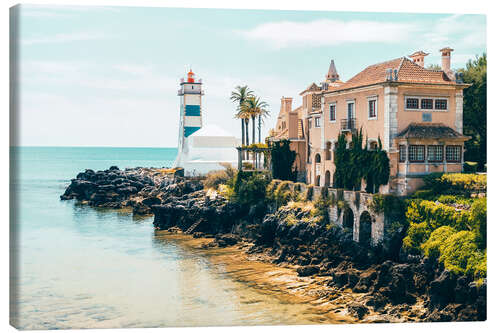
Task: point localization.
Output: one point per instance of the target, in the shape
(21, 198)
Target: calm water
(81, 267)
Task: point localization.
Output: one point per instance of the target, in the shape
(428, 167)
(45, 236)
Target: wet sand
(324, 304)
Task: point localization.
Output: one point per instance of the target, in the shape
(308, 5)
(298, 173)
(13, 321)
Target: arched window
(317, 158)
(365, 228)
(348, 219)
(373, 145)
(327, 178)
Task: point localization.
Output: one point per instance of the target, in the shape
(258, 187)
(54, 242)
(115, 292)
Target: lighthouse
(190, 93)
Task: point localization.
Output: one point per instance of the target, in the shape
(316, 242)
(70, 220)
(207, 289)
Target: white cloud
(64, 38)
(329, 32)
(459, 31)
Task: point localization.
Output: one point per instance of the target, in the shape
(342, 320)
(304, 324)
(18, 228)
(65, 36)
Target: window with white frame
(412, 103)
(441, 104)
(435, 153)
(402, 153)
(317, 122)
(453, 154)
(417, 103)
(416, 153)
(333, 112)
(372, 108)
(350, 110)
(426, 103)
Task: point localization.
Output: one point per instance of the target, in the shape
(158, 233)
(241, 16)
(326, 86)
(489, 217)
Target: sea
(74, 266)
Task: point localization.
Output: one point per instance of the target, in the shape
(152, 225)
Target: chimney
(418, 57)
(388, 74)
(286, 104)
(446, 59)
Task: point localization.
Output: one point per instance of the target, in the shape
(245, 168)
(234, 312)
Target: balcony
(348, 125)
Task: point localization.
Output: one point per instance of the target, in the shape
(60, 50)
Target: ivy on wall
(282, 159)
(355, 163)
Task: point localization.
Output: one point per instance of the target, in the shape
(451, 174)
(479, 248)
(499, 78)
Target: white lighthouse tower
(190, 115)
(201, 150)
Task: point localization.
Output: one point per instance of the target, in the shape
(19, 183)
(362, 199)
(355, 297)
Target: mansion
(416, 113)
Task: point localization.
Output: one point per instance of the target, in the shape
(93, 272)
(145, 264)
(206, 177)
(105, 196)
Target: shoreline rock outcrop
(391, 284)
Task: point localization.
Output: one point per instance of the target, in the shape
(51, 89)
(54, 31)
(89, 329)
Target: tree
(282, 159)
(239, 96)
(264, 114)
(254, 108)
(474, 117)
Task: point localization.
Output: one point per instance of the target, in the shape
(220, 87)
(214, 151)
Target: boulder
(308, 270)
(357, 310)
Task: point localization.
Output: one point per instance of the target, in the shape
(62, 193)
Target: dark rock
(357, 310)
(441, 290)
(377, 301)
(150, 201)
(140, 209)
(227, 239)
(307, 270)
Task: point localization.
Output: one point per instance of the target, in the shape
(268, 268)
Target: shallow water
(80, 267)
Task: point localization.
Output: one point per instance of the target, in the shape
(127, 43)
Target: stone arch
(327, 178)
(348, 218)
(365, 228)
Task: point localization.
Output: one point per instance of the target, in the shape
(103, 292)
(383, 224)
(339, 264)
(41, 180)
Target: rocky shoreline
(387, 286)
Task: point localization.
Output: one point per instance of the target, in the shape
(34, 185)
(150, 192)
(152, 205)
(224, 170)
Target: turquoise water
(80, 267)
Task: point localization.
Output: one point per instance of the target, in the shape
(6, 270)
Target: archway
(327, 178)
(317, 161)
(365, 228)
(348, 219)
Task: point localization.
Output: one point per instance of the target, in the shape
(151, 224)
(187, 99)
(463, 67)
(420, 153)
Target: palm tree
(263, 114)
(254, 107)
(239, 96)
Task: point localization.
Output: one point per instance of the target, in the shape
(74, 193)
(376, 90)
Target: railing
(348, 125)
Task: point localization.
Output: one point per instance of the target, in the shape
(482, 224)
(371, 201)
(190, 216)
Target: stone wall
(355, 201)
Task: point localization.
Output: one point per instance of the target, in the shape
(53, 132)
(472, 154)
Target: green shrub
(426, 216)
(459, 253)
(437, 238)
(424, 194)
(448, 199)
(455, 183)
(249, 188)
(219, 177)
(417, 234)
(477, 221)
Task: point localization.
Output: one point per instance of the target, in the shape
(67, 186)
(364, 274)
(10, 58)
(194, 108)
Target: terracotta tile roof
(312, 87)
(408, 72)
(429, 131)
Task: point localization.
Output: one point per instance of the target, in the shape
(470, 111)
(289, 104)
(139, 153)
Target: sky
(108, 76)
